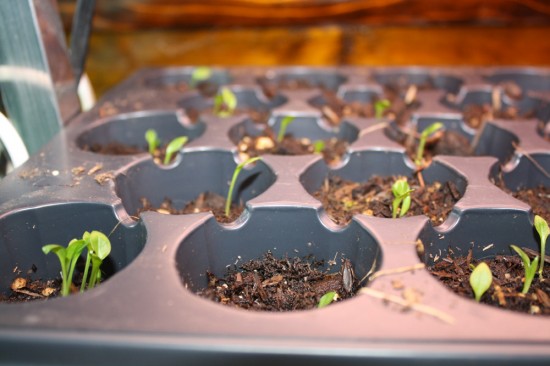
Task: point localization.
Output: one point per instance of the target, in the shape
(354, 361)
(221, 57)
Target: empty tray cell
(302, 136)
(275, 82)
(364, 186)
(196, 178)
(526, 79)
(249, 101)
(486, 235)
(23, 234)
(125, 134)
(211, 251)
(205, 80)
(527, 178)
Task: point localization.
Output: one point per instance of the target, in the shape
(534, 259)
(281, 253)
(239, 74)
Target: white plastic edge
(14, 145)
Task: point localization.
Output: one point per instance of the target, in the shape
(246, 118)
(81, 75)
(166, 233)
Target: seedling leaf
(542, 228)
(282, 130)
(380, 107)
(225, 102)
(152, 140)
(402, 197)
(318, 146)
(326, 299)
(236, 173)
(480, 280)
(199, 74)
(100, 244)
(174, 146)
(530, 267)
(427, 132)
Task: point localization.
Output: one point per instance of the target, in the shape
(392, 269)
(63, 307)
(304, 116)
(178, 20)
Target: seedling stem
(234, 180)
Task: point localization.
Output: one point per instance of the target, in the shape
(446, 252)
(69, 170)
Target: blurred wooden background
(130, 34)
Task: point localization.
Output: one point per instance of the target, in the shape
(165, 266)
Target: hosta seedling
(427, 132)
(542, 228)
(327, 299)
(98, 246)
(225, 102)
(402, 197)
(284, 125)
(529, 266)
(380, 106)
(480, 280)
(173, 146)
(236, 173)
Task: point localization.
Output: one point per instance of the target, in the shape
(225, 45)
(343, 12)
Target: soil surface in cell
(205, 88)
(332, 149)
(286, 284)
(402, 102)
(538, 198)
(260, 116)
(505, 291)
(25, 289)
(204, 202)
(343, 198)
(114, 148)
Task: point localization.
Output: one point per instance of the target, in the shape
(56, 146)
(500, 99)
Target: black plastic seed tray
(146, 311)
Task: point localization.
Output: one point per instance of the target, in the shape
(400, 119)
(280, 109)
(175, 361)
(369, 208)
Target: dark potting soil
(505, 291)
(260, 116)
(475, 114)
(538, 198)
(286, 284)
(205, 202)
(342, 198)
(333, 149)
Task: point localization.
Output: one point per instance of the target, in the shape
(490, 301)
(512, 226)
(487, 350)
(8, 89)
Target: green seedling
(200, 74)
(530, 268)
(427, 132)
(98, 246)
(152, 139)
(234, 180)
(402, 197)
(380, 106)
(480, 280)
(327, 299)
(282, 130)
(318, 146)
(174, 146)
(225, 102)
(542, 228)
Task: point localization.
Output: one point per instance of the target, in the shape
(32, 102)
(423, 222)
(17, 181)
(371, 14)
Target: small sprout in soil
(542, 228)
(225, 102)
(427, 132)
(327, 299)
(153, 140)
(200, 74)
(98, 246)
(318, 146)
(380, 106)
(530, 268)
(174, 146)
(402, 197)
(284, 125)
(480, 280)
(234, 180)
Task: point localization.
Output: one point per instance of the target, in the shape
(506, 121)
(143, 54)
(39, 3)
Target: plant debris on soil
(286, 284)
(332, 149)
(505, 291)
(205, 202)
(342, 198)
